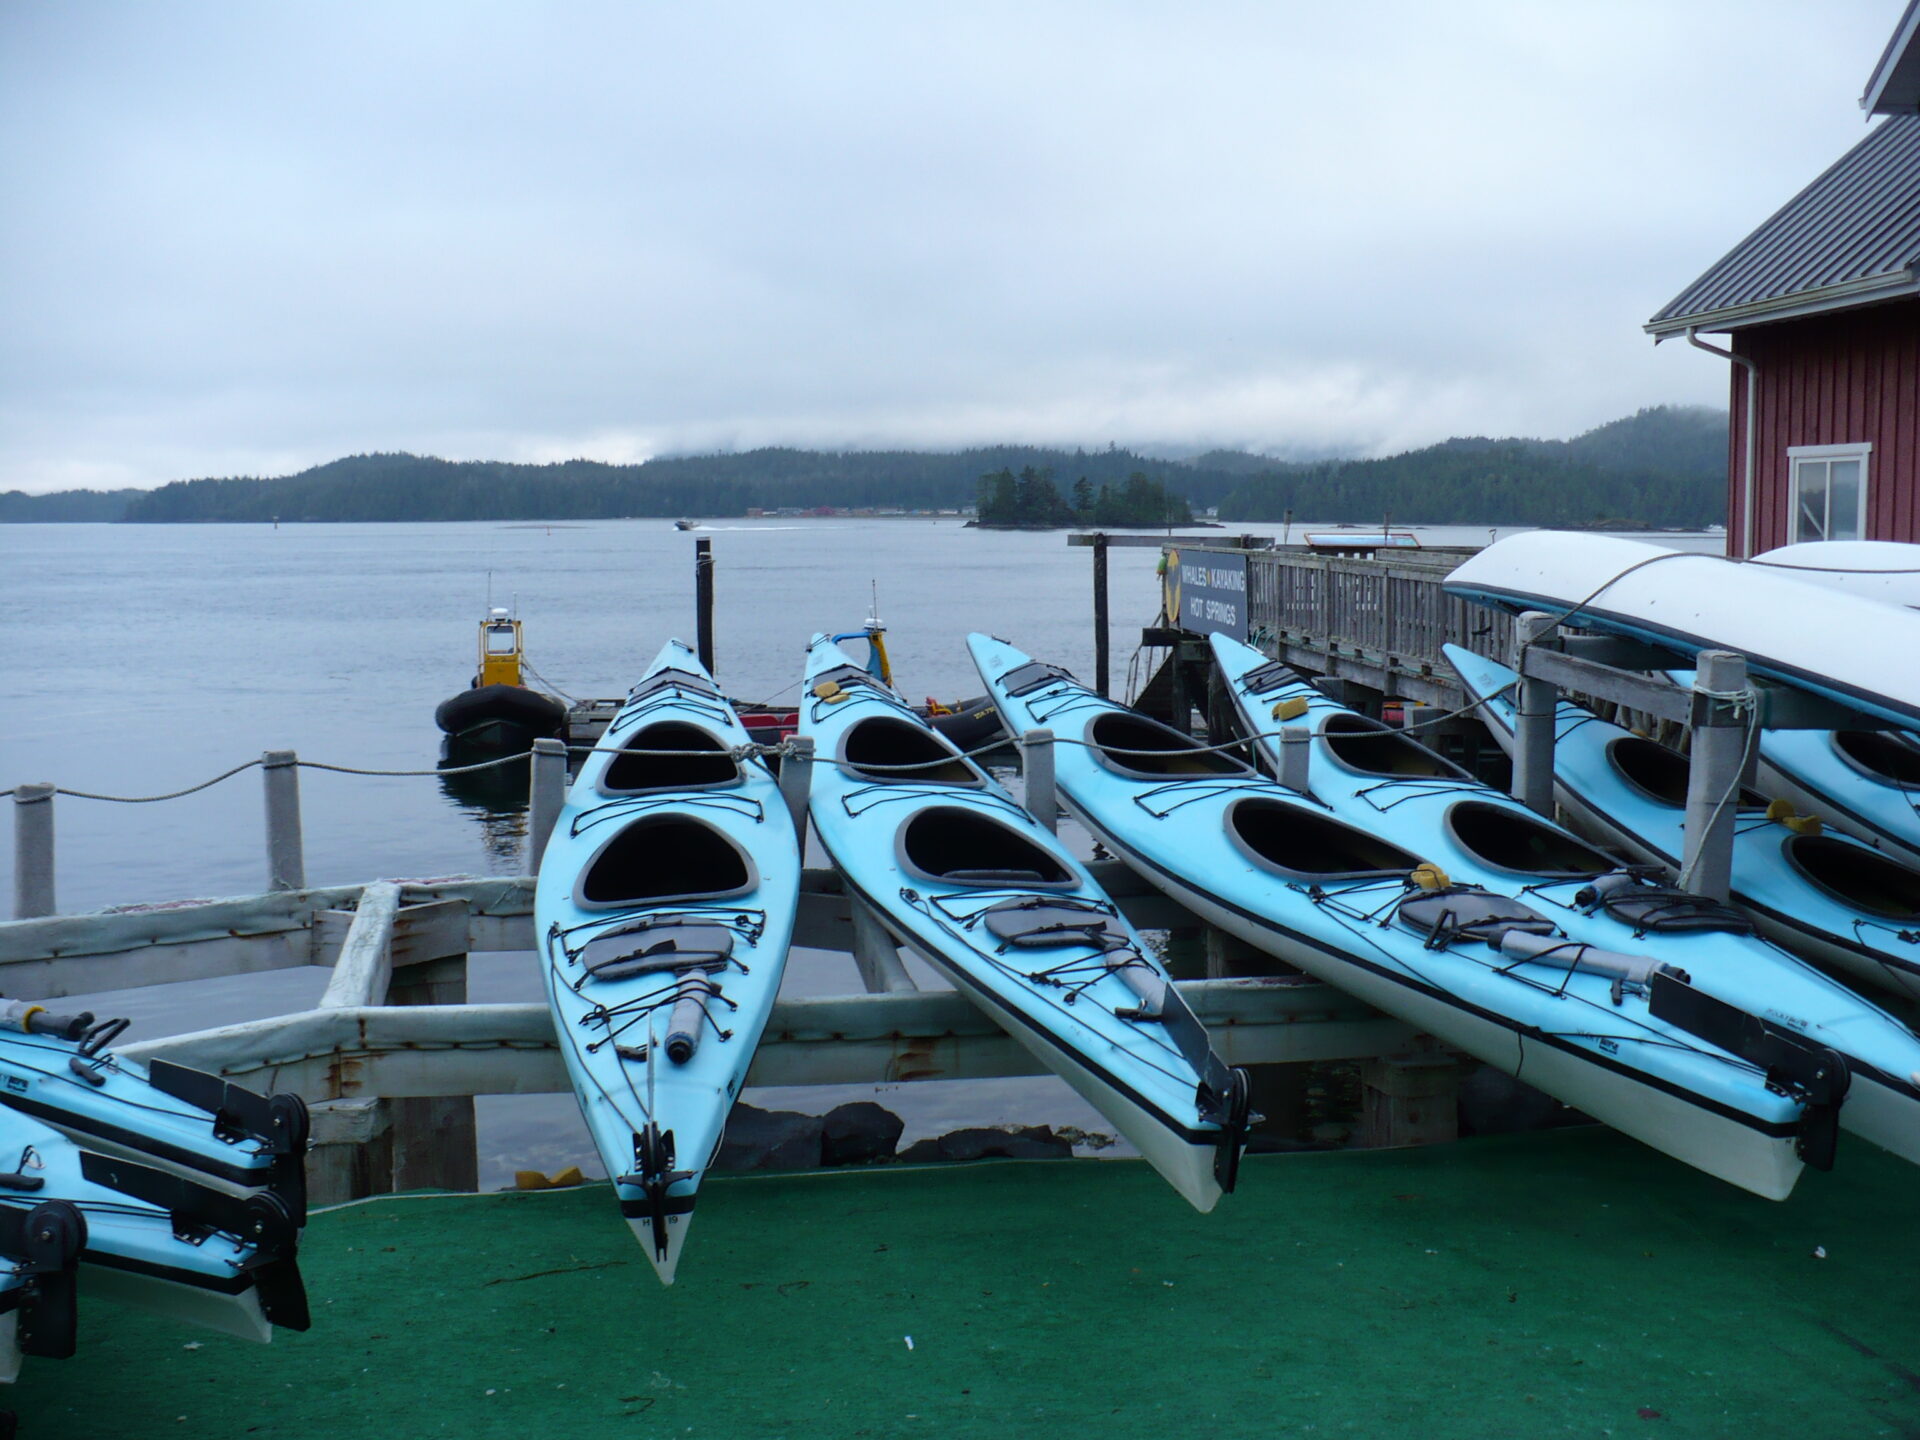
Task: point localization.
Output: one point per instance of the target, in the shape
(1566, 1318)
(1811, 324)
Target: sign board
(1207, 592)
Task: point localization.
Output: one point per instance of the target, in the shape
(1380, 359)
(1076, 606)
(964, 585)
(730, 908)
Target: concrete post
(33, 851)
(1043, 803)
(548, 792)
(1296, 758)
(286, 857)
(1713, 778)
(796, 783)
(1535, 704)
(874, 952)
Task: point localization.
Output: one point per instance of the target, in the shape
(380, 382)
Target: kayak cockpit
(669, 755)
(1861, 878)
(1660, 774)
(1304, 844)
(1885, 757)
(892, 750)
(1145, 749)
(957, 846)
(1374, 749)
(664, 857)
(1504, 838)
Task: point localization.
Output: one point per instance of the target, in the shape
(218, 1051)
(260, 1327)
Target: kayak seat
(1274, 675)
(1163, 751)
(640, 766)
(1508, 838)
(1304, 844)
(1027, 926)
(1376, 749)
(902, 752)
(671, 680)
(1858, 877)
(959, 846)
(1650, 908)
(1661, 774)
(1886, 757)
(650, 947)
(663, 857)
(1468, 912)
(1032, 676)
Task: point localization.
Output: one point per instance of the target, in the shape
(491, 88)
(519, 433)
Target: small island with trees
(1031, 501)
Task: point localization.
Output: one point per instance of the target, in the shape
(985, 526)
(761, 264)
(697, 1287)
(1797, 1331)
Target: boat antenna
(489, 592)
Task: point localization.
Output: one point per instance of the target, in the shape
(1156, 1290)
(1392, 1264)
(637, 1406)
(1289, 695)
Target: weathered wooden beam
(365, 967)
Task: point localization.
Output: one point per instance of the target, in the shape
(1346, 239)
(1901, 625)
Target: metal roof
(1894, 86)
(1850, 238)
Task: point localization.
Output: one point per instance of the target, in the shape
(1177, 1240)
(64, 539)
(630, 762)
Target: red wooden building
(1822, 304)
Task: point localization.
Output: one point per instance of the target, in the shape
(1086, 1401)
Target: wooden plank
(1656, 697)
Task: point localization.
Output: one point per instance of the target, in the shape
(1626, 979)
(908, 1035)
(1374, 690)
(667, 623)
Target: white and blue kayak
(158, 1241)
(1853, 650)
(1828, 897)
(953, 868)
(1883, 570)
(1384, 781)
(62, 1070)
(40, 1247)
(1618, 1034)
(664, 908)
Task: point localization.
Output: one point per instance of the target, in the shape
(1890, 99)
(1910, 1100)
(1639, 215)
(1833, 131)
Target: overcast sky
(243, 238)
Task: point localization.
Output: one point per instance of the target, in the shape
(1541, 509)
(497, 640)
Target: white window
(500, 640)
(1827, 492)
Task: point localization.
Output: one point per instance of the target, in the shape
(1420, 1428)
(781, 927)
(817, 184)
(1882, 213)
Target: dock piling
(875, 954)
(1719, 754)
(33, 851)
(1036, 749)
(1535, 705)
(796, 781)
(703, 600)
(1101, 658)
(286, 855)
(548, 792)
(436, 1142)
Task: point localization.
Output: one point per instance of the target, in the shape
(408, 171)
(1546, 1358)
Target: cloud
(240, 239)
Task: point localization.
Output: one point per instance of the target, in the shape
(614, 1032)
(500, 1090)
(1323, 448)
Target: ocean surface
(145, 659)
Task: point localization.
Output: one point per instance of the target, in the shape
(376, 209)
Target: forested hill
(1663, 467)
(1660, 467)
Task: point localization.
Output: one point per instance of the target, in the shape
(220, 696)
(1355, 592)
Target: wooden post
(351, 1154)
(703, 600)
(874, 953)
(33, 851)
(548, 793)
(796, 783)
(1101, 658)
(1719, 750)
(286, 858)
(435, 1140)
(1535, 704)
(1410, 1099)
(1036, 750)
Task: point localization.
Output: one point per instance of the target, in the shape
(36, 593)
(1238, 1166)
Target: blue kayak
(664, 908)
(1827, 897)
(953, 868)
(156, 1240)
(1865, 783)
(62, 1069)
(1382, 779)
(1620, 1035)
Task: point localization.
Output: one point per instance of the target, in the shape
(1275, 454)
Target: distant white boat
(686, 524)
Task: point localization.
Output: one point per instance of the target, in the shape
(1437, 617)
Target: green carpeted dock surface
(1569, 1283)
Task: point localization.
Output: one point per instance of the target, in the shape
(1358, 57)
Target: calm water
(147, 658)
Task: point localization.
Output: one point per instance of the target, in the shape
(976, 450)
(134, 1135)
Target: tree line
(1031, 500)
